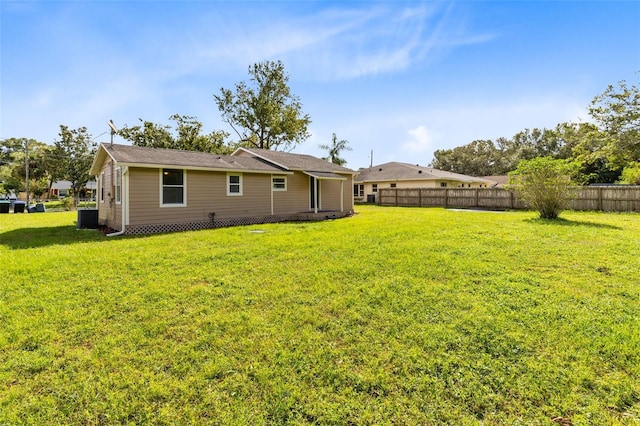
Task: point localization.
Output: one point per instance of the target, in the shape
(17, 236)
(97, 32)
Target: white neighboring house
(62, 188)
(404, 175)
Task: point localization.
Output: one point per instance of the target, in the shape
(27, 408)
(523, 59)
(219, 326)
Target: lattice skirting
(218, 223)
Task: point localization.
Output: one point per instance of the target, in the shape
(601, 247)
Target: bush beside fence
(602, 198)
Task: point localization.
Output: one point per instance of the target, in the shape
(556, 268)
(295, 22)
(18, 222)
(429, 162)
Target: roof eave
(202, 168)
(95, 169)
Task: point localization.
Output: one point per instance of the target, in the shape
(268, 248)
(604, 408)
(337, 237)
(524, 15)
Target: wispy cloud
(338, 43)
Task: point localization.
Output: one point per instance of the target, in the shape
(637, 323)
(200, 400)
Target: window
(101, 183)
(279, 183)
(358, 190)
(374, 187)
(118, 185)
(393, 185)
(234, 184)
(443, 184)
(173, 188)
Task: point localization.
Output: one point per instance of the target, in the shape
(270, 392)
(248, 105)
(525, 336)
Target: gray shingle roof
(256, 160)
(141, 156)
(403, 171)
(298, 161)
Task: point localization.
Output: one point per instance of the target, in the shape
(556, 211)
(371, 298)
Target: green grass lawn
(393, 316)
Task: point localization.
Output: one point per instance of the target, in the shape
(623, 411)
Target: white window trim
(118, 178)
(101, 187)
(234, 194)
(273, 183)
(184, 189)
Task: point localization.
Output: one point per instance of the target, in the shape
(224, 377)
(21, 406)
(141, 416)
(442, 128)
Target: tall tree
(54, 165)
(13, 167)
(264, 113)
(149, 135)
(631, 174)
(77, 151)
(586, 144)
(187, 136)
(478, 158)
(334, 150)
(617, 112)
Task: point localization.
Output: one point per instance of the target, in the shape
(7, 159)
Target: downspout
(316, 183)
(271, 185)
(124, 197)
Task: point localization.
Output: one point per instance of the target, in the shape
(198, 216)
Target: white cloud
(421, 140)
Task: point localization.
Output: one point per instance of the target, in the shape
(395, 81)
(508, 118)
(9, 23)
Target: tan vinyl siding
(296, 198)
(254, 201)
(330, 194)
(348, 193)
(109, 213)
(331, 190)
(206, 192)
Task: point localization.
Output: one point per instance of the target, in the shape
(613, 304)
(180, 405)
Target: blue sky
(401, 79)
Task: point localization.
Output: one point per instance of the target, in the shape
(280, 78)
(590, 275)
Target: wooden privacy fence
(603, 198)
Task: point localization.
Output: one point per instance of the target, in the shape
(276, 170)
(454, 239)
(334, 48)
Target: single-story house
(499, 181)
(62, 188)
(403, 175)
(146, 190)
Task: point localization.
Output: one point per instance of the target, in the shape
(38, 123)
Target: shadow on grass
(25, 238)
(567, 222)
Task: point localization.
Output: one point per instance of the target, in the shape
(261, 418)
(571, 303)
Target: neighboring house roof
(499, 181)
(66, 185)
(395, 171)
(242, 160)
(61, 185)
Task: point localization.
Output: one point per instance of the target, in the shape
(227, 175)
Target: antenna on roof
(371, 164)
(114, 129)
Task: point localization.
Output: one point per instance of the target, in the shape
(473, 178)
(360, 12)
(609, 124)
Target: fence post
(396, 191)
(600, 207)
(446, 197)
(420, 197)
(477, 198)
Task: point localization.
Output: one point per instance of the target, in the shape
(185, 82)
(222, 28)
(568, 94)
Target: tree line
(603, 151)
(263, 113)
(69, 158)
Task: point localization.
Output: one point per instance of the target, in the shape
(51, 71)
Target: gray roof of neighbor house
(395, 171)
(260, 161)
(65, 184)
(498, 180)
(295, 161)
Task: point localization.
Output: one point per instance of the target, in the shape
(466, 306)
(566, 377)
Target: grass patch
(393, 316)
